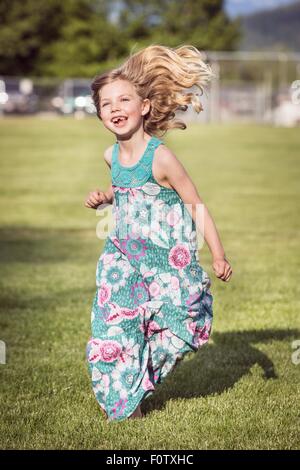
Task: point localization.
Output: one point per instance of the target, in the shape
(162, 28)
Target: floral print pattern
(153, 302)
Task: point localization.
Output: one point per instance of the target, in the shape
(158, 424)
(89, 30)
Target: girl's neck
(131, 147)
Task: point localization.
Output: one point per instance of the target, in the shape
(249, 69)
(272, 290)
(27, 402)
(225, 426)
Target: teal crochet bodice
(138, 174)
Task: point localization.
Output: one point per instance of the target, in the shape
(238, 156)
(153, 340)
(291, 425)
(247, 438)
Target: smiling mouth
(119, 120)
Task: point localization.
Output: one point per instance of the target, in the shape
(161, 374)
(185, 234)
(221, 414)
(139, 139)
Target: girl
(153, 302)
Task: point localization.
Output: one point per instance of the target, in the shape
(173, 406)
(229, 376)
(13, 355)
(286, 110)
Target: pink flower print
(123, 190)
(179, 256)
(104, 294)
(203, 337)
(116, 242)
(154, 289)
(139, 292)
(193, 303)
(148, 274)
(191, 327)
(103, 383)
(110, 350)
(107, 258)
(128, 313)
(119, 407)
(204, 333)
(93, 350)
(112, 313)
(131, 191)
(175, 282)
(105, 379)
(134, 248)
(106, 351)
(147, 384)
(173, 217)
(149, 328)
(201, 334)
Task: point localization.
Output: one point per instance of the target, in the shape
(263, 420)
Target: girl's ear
(146, 106)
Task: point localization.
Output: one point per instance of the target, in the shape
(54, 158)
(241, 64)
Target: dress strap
(114, 153)
(135, 175)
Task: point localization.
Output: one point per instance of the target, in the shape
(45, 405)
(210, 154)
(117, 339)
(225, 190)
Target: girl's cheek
(105, 117)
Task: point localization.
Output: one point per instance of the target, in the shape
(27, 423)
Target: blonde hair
(161, 74)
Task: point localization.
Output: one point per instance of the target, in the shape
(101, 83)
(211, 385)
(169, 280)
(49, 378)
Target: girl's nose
(115, 107)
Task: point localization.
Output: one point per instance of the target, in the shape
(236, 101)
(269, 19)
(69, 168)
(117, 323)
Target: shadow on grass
(211, 370)
(46, 245)
(37, 247)
(217, 367)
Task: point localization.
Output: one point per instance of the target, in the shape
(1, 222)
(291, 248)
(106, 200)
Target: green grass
(241, 390)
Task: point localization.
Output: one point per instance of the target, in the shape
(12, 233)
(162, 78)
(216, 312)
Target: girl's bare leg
(137, 413)
(104, 414)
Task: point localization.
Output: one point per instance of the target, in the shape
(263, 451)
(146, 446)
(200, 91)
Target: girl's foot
(103, 412)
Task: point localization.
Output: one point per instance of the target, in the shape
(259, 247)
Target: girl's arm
(171, 169)
(97, 197)
(109, 194)
(107, 157)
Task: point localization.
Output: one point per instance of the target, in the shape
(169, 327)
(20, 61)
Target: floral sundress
(153, 302)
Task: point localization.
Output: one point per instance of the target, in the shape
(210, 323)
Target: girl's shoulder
(161, 150)
(107, 155)
(165, 164)
(164, 155)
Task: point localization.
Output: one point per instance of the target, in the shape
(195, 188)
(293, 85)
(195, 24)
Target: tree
(27, 27)
(57, 38)
(202, 23)
(69, 38)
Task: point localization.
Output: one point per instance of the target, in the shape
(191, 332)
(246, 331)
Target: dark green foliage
(84, 37)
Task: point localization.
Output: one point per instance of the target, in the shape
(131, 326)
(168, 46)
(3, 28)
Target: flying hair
(161, 74)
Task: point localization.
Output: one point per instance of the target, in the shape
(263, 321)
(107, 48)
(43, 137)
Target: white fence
(250, 87)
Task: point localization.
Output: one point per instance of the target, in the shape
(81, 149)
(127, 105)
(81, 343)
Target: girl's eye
(123, 99)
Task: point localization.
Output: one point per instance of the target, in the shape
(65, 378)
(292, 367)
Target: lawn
(241, 390)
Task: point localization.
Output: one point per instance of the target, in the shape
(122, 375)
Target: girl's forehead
(117, 87)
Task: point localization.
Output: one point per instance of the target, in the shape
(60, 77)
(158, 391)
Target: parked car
(17, 96)
(74, 95)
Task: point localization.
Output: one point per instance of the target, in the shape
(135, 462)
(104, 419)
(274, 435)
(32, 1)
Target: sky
(244, 7)
(232, 7)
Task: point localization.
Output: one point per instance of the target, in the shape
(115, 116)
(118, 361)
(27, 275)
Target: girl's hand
(95, 198)
(222, 268)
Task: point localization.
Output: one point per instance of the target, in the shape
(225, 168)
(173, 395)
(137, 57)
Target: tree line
(80, 38)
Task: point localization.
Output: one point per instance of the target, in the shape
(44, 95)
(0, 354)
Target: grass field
(241, 390)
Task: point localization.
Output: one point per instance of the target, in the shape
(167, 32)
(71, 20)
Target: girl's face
(121, 108)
